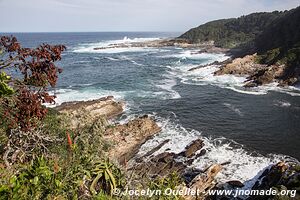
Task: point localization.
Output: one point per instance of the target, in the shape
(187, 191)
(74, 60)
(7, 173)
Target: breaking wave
(90, 47)
(241, 164)
(197, 75)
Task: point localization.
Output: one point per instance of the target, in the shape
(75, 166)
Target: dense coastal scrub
(65, 165)
(234, 32)
(275, 37)
(280, 42)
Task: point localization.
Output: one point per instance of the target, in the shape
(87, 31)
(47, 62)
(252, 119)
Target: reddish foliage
(69, 140)
(39, 71)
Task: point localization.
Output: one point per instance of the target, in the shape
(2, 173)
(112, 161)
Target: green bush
(171, 181)
(79, 172)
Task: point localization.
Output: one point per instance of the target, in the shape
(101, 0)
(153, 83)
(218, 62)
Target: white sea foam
(195, 55)
(281, 103)
(80, 85)
(242, 165)
(130, 60)
(89, 93)
(90, 47)
(234, 109)
(112, 59)
(167, 85)
(68, 95)
(205, 76)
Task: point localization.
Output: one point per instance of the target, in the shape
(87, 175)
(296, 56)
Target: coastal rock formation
(175, 42)
(165, 163)
(128, 138)
(203, 182)
(281, 176)
(191, 149)
(277, 177)
(152, 165)
(81, 112)
(257, 74)
(240, 66)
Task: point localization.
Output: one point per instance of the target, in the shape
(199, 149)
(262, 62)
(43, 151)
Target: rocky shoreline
(129, 137)
(206, 47)
(257, 74)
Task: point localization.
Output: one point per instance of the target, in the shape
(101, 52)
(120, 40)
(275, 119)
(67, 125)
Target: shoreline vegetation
(79, 150)
(85, 141)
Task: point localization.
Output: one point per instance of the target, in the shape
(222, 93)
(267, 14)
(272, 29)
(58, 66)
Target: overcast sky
(124, 15)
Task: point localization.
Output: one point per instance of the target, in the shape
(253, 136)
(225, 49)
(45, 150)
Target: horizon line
(91, 32)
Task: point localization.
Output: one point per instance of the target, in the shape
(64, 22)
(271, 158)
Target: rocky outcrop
(281, 176)
(175, 42)
(240, 66)
(202, 183)
(191, 149)
(152, 165)
(167, 162)
(82, 112)
(222, 63)
(257, 74)
(277, 177)
(270, 74)
(127, 138)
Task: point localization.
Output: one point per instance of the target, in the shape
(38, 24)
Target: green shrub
(172, 181)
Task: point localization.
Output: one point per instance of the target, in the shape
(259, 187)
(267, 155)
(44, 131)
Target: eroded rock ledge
(125, 138)
(258, 74)
(130, 136)
(80, 112)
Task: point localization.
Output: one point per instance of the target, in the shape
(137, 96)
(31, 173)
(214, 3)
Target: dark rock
(202, 153)
(190, 174)
(164, 157)
(294, 181)
(250, 85)
(225, 163)
(236, 184)
(156, 148)
(190, 161)
(166, 163)
(191, 149)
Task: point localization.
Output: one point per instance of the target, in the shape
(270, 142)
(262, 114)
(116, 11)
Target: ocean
(250, 128)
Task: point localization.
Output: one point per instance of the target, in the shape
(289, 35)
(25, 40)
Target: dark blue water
(156, 81)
